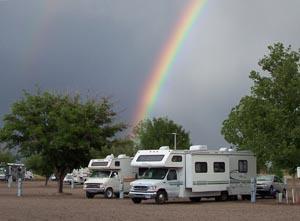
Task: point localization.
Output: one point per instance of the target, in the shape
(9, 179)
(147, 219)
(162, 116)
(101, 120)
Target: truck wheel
(136, 200)
(108, 193)
(161, 197)
(89, 195)
(195, 199)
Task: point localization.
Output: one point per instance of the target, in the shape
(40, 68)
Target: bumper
(142, 195)
(95, 190)
(262, 189)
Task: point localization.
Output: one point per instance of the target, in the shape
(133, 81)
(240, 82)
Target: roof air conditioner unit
(164, 148)
(109, 157)
(198, 147)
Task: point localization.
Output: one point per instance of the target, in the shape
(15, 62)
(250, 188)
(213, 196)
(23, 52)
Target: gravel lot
(43, 203)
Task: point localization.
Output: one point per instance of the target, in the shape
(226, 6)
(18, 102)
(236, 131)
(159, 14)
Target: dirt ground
(43, 203)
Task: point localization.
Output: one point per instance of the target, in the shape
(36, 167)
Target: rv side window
(117, 163)
(150, 158)
(243, 166)
(201, 167)
(99, 163)
(219, 167)
(177, 159)
(172, 175)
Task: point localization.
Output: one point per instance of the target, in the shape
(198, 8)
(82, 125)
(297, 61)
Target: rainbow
(165, 61)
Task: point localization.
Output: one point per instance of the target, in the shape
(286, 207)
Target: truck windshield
(100, 174)
(155, 173)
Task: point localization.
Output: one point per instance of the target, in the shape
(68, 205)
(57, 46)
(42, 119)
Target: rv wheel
(89, 195)
(108, 193)
(161, 197)
(136, 200)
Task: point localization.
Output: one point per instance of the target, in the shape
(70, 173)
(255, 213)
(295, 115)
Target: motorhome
(195, 173)
(109, 176)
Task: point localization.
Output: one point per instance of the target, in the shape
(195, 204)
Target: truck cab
(156, 183)
(164, 177)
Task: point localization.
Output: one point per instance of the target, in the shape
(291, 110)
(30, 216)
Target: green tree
(40, 166)
(120, 146)
(268, 120)
(6, 157)
(152, 134)
(62, 129)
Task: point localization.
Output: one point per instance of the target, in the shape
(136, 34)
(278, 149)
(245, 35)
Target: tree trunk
(60, 182)
(46, 180)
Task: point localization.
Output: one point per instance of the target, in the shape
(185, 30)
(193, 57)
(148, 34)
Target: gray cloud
(109, 47)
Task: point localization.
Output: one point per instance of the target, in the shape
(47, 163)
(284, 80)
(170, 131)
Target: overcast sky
(108, 48)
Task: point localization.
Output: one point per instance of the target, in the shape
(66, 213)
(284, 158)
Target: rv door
(172, 184)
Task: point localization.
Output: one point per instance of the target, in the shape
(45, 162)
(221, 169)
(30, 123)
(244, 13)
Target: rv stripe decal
(176, 183)
(220, 182)
(210, 182)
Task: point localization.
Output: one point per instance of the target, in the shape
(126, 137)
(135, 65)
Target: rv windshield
(100, 174)
(155, 173)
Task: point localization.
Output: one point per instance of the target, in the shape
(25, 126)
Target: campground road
(42, 203)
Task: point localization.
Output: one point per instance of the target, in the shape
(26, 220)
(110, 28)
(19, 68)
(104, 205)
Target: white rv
(194, 173)
(109, 176)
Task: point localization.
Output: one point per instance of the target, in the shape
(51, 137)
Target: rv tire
(108, 193)
(136, 200)
(89, 195)
(161, 197)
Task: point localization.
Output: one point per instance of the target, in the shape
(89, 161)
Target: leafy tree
(40, 166)
(121, 146)
(6, 157)
(157, 132)
(62, 129)
(268, 120)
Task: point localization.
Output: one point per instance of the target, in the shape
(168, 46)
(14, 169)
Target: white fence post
(19, 191)
(253, 190)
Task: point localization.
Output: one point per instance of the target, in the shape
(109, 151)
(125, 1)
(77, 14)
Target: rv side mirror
(114, 174)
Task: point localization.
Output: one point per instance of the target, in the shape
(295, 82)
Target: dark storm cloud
(109, 47)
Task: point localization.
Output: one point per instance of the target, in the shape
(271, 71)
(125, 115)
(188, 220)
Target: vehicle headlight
(152, 188)
(84, 185)
(131, 188)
